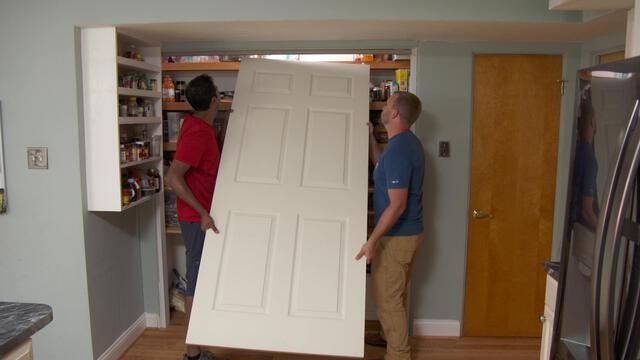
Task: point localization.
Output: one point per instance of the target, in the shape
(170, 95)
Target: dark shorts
(193, 238)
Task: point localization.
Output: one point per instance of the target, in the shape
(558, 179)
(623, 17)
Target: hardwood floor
(161, 344)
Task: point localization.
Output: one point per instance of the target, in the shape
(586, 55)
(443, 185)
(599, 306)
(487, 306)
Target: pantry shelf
(173, 230)
(138, 202)
(128, 120)
(390, 65)
(235, 66)
(140, 162)
(377, 105)
(137, 65)
(216, 66)
(139, 93)
(184, 106)
(169, 146)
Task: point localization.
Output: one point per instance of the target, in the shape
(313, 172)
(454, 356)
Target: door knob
(477, 214)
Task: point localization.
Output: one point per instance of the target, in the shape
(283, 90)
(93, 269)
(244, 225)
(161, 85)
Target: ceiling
(590, 4)
(451, 31)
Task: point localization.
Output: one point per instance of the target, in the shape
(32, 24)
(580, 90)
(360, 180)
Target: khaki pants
(391, 271)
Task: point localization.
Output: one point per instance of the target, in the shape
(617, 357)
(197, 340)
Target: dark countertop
(19, 321)
(552, 268)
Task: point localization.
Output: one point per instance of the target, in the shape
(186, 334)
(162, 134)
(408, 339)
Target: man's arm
(397, 206)
(374, 147)
(175, 178)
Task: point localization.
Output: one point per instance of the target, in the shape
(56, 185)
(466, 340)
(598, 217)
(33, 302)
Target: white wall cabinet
(104, 71)
(105, 125)
(548, 318)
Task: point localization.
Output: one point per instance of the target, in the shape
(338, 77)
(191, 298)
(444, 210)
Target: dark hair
(409, 106)
(200, 91)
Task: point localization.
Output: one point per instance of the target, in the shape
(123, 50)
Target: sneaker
(375, 339)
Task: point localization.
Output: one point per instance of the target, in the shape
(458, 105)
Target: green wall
(53, 251)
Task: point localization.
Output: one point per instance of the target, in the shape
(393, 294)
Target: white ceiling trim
(451, 31)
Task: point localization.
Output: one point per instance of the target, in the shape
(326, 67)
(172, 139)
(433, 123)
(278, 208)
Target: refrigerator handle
(600, 347)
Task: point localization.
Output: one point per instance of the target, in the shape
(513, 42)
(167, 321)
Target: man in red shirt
(192, 176)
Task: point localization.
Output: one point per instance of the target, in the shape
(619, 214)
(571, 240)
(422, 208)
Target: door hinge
(562, 82)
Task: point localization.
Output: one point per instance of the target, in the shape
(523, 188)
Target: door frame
(163, 244)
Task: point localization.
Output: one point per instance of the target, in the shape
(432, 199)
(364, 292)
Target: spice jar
(123, 154)
(132, 106)
(153, 84)
(122, 110)
(180, 91)
(126, 196)
(148, 108)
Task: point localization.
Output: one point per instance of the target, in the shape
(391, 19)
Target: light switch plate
(37, 158)
(444, 150)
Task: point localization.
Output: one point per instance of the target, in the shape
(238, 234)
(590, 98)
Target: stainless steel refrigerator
(598, 303)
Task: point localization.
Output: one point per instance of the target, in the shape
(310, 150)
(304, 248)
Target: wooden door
(291, 204)
(516, 112)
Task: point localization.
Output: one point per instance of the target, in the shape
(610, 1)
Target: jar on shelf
(132, 106)
(126, 197)
(180, 91)
(127, 81)
(156, 142)
(133, 152)
(124, 155)
(122, 109)
(132, 53)
(153, 84)
(148, 108)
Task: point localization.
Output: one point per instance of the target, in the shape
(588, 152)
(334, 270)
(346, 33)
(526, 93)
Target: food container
(132, 106)
(173, 125)
(402, 78)
(148, 192)
(156, 142)
(148, 108)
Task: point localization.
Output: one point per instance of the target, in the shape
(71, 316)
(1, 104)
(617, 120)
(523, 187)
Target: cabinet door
(547, 333)
(291, 204)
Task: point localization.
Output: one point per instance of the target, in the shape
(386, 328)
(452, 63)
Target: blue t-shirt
(401, 166)
(585, 173)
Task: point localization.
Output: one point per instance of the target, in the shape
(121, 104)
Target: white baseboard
(118, 348)
(431, 327)
(152, 320)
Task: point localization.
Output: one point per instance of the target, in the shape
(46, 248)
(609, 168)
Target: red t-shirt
(197, 147)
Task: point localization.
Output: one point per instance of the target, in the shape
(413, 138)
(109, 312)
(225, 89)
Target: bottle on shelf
(168, 90)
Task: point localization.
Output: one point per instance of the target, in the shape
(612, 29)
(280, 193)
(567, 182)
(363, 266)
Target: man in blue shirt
(584, 200)
(392, 246)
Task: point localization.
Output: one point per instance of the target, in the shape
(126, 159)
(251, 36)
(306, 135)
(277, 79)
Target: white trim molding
(432, 327)
(152, 320)
(120, 346)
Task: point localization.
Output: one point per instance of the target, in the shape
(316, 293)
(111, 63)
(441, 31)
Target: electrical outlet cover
(37, 158)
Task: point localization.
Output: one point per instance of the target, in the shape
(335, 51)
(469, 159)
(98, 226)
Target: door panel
(516, 114)
(291, 203)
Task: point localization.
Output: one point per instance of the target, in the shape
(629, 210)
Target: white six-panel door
(291, 205)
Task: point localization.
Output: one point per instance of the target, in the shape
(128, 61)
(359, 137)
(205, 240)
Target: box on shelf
(402, 78)
(173, 124)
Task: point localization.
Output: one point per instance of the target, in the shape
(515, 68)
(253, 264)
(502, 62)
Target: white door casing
(291, 204)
